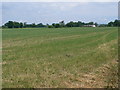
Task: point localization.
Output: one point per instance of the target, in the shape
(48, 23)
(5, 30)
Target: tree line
(14, 24)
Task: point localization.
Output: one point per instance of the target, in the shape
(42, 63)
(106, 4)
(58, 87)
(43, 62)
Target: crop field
(58, 57)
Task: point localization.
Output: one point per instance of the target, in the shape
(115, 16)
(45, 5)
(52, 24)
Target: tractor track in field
(23, 42)
(59, 61)
(77, 46)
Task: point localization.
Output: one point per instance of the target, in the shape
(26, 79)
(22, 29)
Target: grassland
(58, 57)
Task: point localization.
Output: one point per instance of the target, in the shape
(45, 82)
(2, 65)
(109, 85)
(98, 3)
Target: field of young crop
(58, 57)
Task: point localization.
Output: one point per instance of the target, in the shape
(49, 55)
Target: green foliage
(50, 26)
(91, 23)
(57, 25)
(111, 24)
(62, 24)
(21, 25)
(40, 25)
(11, 24)
(116, 23)
(103, 25)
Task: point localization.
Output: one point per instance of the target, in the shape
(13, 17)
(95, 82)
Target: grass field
(58, 57)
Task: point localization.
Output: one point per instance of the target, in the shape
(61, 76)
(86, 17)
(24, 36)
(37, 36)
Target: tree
(57, 25)
(25, 24)
(9, 24)
(79, 24)
(33, 25)
(53, 24)
(40, 25)
(16, 24)
(103, 25)
(70, 24)
(116, 23)
(96, 24)
(50, 26)
(111, 24)
(47, 25)
(21, 25)
(62, 24)
(91, 23)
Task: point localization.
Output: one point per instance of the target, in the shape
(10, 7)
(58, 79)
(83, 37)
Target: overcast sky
(49, 12)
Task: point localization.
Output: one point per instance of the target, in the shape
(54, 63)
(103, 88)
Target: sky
(53, 12)
(60, 0)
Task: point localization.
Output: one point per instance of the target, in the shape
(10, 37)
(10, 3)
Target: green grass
(55, 57)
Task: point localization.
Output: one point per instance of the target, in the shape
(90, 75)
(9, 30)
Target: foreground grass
(56, 57)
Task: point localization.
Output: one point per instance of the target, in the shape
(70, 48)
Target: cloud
(49, 12)
(63, 6)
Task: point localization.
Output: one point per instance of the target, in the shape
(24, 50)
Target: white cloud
(55, 12)
(63, 6)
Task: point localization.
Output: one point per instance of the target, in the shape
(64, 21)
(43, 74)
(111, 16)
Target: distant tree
(50, 26)
(3, 26)
(33, 25)
(75, 24)
(21, 25)
(40, 25)
(9, 24)
(25, 24)
(62, 24)
(79, 23)
(70, 24)
(116, 23)
(91, 23)
(53, 24)
(57, 25)
(103, 25)
(96, 24)
(47, 25)
(16, 24)
(111, 24)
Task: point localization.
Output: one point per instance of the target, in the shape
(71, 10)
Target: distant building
(89, 26)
